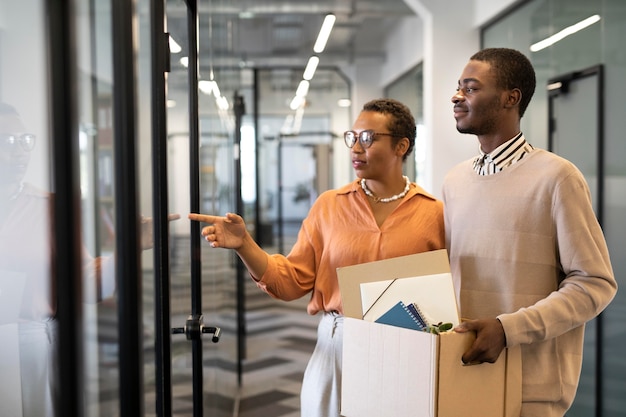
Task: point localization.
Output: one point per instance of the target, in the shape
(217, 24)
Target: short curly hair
(402, 122)
(512, 69)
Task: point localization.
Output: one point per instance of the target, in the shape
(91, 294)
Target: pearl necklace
(387, 199)
(17, 193)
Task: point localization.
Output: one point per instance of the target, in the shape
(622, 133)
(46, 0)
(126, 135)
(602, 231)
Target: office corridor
(280, 339)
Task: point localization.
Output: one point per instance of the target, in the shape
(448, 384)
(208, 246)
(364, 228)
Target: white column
(450, 38)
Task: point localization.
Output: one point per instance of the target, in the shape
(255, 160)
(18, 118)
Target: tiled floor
(280, 339)
(280, 342)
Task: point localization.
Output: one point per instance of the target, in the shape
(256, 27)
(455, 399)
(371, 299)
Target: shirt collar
(503, 156)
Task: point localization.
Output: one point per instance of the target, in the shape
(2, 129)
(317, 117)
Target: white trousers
(321, 386)
(37, 340)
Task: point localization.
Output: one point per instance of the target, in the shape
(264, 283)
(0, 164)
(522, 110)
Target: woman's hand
(223, 231)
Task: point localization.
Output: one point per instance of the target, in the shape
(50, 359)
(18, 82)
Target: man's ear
(512, 97)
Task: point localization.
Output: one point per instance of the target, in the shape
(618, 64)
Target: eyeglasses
(8, 141)
(365, 138)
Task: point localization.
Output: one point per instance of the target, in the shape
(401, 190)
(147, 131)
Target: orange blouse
(340, 230)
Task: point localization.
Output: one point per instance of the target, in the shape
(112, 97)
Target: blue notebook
(399, 315)
(418, 314)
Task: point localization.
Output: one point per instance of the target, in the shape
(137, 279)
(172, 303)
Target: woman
(379, 215)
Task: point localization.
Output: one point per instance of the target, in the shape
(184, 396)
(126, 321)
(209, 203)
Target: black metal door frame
(194, 326)
(66, 222)
(163, 352)
(558, 86)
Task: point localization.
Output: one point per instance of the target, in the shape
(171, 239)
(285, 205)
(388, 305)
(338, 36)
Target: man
(528, 257)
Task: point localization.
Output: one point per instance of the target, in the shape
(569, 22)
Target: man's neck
(490, 142)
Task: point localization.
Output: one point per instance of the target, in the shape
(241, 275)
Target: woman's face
(382, 157)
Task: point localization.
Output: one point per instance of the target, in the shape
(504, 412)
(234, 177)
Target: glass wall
(409, 90)
(27, 306)
(598, 43)
(295, 145)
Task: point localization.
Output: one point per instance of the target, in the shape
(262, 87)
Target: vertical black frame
(163, 352)
(194, 193)
(556, 86)
(67, 269)
(239, 109)
(127, 242)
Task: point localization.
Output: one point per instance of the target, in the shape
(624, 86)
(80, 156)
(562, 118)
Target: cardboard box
(391, 371)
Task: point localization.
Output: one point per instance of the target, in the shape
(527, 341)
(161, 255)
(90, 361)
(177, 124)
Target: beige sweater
(525, 246)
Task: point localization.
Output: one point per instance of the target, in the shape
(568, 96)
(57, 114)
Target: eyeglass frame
(358, 137)
(9, 140)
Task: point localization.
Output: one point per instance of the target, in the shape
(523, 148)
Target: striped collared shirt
(503, 156)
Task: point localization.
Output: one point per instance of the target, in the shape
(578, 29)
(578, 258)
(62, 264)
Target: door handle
(194, 328)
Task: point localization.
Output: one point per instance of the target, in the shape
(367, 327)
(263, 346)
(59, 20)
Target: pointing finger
(204, 218)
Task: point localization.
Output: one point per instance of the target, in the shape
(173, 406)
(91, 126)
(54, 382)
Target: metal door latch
(194, 327)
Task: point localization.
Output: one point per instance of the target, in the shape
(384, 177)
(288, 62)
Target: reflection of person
(380, 215)
(26, 256)
(528, 257)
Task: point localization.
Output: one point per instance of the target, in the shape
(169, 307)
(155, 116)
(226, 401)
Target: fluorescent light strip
(209, 87)
(324, 34)
(303, 88)
(296, 102)
(570, 30)
(311, 66)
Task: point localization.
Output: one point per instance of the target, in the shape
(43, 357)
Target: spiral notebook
(406, 316)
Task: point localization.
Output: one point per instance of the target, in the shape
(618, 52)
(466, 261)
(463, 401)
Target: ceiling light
(246, 14)
(184, 61)
(344, 102)
(570, 30)
(324, 34)
(221, 102)
(297, 102)
(303, 88)
(311, 66)
(555, 86)
(209, 87)
(174, 46)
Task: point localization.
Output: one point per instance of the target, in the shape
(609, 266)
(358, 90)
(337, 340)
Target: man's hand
(490, 340)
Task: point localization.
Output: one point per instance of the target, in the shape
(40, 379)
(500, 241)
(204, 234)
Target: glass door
(85, 201)
(202, 177)
(28, 308)
(576, 132)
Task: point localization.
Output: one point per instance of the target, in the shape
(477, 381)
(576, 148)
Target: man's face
(14, 158)
(478, 101)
